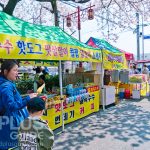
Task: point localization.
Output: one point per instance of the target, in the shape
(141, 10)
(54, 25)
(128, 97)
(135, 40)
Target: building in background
(146, 56)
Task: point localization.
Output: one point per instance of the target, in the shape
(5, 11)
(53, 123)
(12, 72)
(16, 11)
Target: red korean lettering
(82, 110)
(92, 106)
(48, 49)
(58, 107)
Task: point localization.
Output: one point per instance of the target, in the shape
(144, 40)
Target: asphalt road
(125, 126)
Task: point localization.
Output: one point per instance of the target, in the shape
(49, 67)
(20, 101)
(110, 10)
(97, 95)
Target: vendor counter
(73, 110)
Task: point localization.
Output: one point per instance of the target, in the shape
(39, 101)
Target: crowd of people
(20, 123)
(135, 70)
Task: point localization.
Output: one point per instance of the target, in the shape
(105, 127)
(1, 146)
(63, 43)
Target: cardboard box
(72, 78)
(78, 70)
(95, 78)
(81, 78)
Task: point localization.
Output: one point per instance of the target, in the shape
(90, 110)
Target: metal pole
(60, 72)
(138, 35)
(102, 86)
(102, 83)
(143, 36)
(79, 23)
(61, 94)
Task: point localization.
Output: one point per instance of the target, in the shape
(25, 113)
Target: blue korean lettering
(22, 46)
(39, 45)
(74, 53)
(31, 49)
(96, 55)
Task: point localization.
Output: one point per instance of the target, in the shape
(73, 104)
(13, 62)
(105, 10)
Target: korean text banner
(15, 47)
(114, 60)
(72, 111)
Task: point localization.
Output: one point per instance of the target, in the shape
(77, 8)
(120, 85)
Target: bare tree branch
(48, 9)
(106, 6)
(77, 1)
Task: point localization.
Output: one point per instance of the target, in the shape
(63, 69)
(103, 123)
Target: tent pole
(61, 94)
(102, 80)
(102, 85)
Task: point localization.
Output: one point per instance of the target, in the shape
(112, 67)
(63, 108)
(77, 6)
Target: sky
(127, 40)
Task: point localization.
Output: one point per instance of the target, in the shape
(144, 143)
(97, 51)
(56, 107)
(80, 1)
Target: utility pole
(143, 36)
(138, 36)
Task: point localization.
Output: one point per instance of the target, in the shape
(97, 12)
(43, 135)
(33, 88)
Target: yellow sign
(15, 47)
(114, 60)
(38, 63)
(72, 111)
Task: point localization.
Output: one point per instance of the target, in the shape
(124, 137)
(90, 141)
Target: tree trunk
(56, 14)
(10, 6)
(54, 7)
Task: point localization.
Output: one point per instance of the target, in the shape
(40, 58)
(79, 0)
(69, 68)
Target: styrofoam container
(136, 94)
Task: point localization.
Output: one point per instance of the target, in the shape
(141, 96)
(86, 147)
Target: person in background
(145, 70)
(39, 83)
(131, 71)
(12, 105)
(107, 77)
(135, 70)
(38, 71)
(46, 73)
(34, 128)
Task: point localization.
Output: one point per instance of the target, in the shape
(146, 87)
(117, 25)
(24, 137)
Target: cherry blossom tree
(113, 16)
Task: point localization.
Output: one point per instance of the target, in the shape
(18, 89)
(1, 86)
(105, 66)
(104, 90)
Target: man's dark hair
(35, 104)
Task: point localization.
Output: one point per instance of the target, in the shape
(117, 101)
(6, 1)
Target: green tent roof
(15, 26)
(102, 44)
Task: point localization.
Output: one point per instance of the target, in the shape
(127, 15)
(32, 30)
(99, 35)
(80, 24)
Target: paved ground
(125, 126)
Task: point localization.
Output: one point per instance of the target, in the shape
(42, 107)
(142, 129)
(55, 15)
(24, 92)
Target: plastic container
(121, 95)
(127, 94)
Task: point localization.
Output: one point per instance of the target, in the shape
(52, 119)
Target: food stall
(24, 41)
(112, 60)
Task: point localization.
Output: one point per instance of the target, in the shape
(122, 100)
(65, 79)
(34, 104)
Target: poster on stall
(73, 111)
(114, 60)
